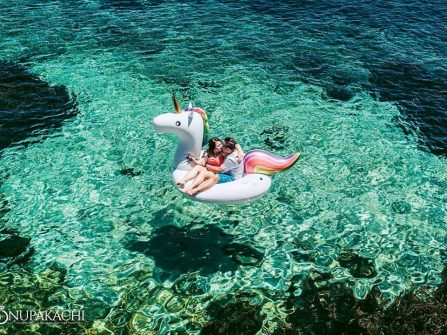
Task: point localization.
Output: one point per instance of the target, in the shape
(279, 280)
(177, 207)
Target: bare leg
(190, 175)
(199, 179)
(210, 180)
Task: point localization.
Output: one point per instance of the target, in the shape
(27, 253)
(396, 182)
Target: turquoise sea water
(94, 194)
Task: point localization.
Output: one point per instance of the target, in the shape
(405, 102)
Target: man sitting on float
(231, 169)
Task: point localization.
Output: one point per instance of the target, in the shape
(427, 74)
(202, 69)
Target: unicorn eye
(178, 123)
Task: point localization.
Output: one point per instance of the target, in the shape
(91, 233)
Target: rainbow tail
(261, 161)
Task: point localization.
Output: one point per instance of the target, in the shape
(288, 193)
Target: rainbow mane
(206, 127)
(261, 161)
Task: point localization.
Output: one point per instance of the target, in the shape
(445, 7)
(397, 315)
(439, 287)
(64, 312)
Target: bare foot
(190, 192)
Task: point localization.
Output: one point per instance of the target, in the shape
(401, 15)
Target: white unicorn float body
(191, 127)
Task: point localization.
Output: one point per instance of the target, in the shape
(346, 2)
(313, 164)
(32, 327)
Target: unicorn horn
(177, 107)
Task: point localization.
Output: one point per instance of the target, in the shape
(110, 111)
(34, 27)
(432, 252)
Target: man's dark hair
(230, 140)
(229, 145)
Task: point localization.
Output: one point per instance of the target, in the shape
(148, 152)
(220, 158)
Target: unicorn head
(190, 126)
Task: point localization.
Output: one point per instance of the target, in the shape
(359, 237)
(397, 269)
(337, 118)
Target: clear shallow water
(327, 80)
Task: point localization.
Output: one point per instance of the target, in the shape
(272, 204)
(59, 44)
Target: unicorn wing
(264, 162)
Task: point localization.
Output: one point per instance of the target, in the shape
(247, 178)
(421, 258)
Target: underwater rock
(23, 289)
(14, 249)
(13, 246)
(358, 266)
(29, 106)
(235, 317)
(96, 309)
(303, 257)
(131, 172)
(22, 258)
(275, 137)
(180, 250)
(410, 315)
(326, 308)
(338, 92)
(429, 316)
(243, 254)
(189, 284)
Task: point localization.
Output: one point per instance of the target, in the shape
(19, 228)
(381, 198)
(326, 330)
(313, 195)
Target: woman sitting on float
(205, 169)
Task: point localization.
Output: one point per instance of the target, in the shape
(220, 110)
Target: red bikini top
(215, 161)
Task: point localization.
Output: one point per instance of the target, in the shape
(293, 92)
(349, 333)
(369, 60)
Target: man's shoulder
(230, 162)
(232, 157)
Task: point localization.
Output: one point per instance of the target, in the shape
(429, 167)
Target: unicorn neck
(188, 145)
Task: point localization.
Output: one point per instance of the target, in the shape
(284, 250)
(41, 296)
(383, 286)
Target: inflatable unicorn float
(191, 127)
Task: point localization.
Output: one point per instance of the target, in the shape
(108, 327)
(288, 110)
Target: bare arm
(239, 150)
(197, 161)
(215, 169)
(240, 153)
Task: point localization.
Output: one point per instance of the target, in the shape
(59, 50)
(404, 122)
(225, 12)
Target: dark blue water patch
(121, 5)
(29, 106)
(148, 52)
(346, 55)
(129, 5)
(365, 13)
(421, 94)
(110, 35)
(207, 250)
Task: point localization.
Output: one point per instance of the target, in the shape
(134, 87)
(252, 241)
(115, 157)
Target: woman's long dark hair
(212, 145)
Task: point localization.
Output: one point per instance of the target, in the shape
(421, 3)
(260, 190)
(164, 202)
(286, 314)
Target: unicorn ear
(190, 117)
(190, 105)
(177, 107)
